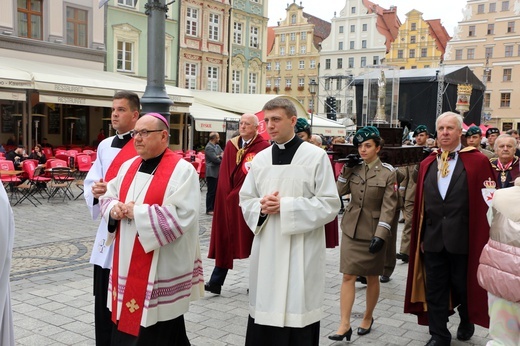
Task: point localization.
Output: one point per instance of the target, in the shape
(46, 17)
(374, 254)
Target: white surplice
(101, 254)
(171, 232)
(6, 251)
(287, 262)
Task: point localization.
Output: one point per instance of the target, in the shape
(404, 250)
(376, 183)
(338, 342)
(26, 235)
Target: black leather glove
(376, 244)
(426, 152)
(352, 160)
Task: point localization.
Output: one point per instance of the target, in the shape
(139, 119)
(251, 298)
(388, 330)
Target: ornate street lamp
(313, 87)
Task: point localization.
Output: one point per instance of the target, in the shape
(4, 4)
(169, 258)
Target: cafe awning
(209, 119)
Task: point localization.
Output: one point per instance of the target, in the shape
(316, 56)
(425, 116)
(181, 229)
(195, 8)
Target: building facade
(487, 41)
(360, 37)
(204, 44)
(248, 41)
(294, 52)
(419, 44)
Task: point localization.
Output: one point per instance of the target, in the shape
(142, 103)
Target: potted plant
(288, 88)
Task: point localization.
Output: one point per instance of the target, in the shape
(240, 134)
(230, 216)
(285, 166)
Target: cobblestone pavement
(51, 283)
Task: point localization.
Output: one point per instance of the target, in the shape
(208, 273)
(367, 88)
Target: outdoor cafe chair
(61, 180)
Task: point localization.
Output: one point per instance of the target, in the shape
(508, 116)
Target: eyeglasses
(143, 133)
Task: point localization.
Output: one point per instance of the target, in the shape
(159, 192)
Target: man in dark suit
(213, 153)
(446, 242)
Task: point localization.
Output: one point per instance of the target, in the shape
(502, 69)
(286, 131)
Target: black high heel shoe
(339, 337)
(363, 331)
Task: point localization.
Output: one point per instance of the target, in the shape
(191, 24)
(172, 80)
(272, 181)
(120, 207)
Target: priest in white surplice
(6, 251)
(156, 267)
(287, 197)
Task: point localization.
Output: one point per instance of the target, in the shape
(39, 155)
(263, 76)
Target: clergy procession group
(277, 203)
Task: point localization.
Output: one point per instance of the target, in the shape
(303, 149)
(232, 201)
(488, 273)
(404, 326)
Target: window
(301, 82)
(510, 26)
(350, 62)
(303, 49)
(282, 50)
(424, 52)
(480, 8)
(471, 30)
(412, 39)
(352, 28)
(77, 27)
(293, 36)
(301, 64)
(365, 27)
(491, 29)
(509, 51)
(353, 10)
(487, 75)
(190, 71)
(505, 99)
(506, 76)
(212, 78)
(292, 50)
(413, 26)
(458, 54)
(341, 29)
(312, 64)
(293, 19)
(288, 65)
(351, 44)
(400, 54)
(129, 3)
(192, 25)
(327, 64)
(493, 7)
(327, 84)
(268, 82)
(505, 5)
(277, 82)
(214, 20)
(363, 43)
(235, 82)
(340, 45)
(125, 52)
(338, 85)
(237, 33)
(268, 67)
(288, 82)
(471, 53)
(375, 60)
(489, 52)
(363, 61)
(339, 63)
(282, 37)
(303, 35)
(411, 53)
(253, 77)
(30, 19)
(253, 37)
(487, 100)
(277, 66)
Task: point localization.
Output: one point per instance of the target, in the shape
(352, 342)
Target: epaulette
(388, 166)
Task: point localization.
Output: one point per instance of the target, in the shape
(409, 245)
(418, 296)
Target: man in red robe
(447, 239)
(230, 236)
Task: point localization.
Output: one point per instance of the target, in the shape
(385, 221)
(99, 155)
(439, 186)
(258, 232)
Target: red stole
(125, 154)
(137, 281)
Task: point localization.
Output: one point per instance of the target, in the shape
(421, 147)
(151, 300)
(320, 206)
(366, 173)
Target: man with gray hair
(317, 141)
(230, 237)
(447, 240)
(506, 164)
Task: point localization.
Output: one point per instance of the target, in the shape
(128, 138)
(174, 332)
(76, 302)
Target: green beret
(473, 130)
(366, 133)
(420, 129)
(492, 130)
(301, 125)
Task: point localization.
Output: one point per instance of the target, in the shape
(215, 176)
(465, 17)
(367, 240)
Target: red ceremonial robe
(230, 236)
(478, 170)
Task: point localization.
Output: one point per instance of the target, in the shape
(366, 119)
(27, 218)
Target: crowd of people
(277, 203)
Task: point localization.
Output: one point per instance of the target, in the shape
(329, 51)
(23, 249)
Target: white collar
(282, 145)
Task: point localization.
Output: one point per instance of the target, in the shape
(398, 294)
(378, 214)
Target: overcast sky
(448, 11)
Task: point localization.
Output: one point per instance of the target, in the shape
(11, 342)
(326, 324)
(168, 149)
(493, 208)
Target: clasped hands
(270, 204)
(122, 210)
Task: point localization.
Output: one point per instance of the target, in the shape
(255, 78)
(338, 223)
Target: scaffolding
(337, 98)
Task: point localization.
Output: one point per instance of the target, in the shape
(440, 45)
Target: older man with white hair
(506, 165)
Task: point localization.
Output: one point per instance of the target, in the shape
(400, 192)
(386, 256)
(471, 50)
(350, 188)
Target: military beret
(366, 133)
(473, 130)
(492, 130)
(420, 129)
(301, 125)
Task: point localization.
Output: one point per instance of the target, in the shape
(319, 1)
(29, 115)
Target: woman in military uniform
(365, 225)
